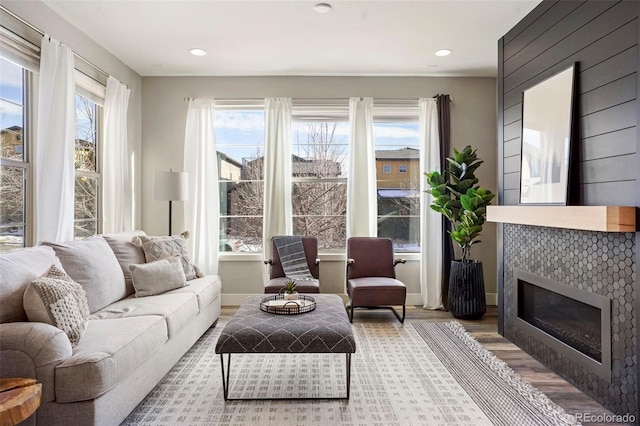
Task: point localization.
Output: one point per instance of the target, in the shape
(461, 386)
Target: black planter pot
(467, 299)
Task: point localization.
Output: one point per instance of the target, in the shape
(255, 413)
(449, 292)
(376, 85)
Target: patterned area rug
(419, 373)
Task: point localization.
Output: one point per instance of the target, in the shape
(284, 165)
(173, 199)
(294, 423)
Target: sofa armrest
(33, 350)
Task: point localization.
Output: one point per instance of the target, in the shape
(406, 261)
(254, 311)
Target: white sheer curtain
(361, 183)
(202, 208)
(277, 171)
(54, 143)
(116, 186)
(430, 221)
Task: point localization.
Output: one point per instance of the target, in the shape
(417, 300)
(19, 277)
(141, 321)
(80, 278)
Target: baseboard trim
(412, 299)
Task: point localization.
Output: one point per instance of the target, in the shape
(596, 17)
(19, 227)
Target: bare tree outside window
(13, 162)
(87, 177)
(319, 192)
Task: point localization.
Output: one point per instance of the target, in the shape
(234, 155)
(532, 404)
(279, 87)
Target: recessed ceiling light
(198, 52)
(444, 52)
(322, 8)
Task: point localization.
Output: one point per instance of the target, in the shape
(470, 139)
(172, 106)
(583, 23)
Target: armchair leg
(401, 319)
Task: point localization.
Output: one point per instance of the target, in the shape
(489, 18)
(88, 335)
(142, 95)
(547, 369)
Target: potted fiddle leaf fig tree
(457, 196)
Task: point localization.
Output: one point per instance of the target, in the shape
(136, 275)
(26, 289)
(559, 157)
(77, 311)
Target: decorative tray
(277, 304)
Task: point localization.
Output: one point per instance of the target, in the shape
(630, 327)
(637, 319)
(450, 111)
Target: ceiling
(286, 37)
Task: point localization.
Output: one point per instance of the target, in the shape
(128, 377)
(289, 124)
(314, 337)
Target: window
(239, 132)
(14, 160)
(319, 181)
(87, 181)
(398, 143)
(386, 168)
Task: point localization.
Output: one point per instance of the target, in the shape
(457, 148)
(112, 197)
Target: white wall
(42, 17)
(473, 116)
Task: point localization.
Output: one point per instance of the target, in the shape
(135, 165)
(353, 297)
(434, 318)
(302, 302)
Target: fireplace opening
(574, 322)
(570, 321)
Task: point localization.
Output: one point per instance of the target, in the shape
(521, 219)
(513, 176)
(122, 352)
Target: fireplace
(573, 322)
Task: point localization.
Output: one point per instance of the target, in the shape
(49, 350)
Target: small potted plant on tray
(290, 292)
(457, 197)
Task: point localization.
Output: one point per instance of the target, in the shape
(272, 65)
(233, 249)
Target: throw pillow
(126, 252)
(158, 276)
(92, 264)
(58, 300)
(156, 248)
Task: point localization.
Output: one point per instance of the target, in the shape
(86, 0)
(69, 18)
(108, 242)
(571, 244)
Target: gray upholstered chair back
(310, 245)
(373, 257)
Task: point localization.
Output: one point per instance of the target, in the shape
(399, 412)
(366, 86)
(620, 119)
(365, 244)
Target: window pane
(398, 183)
(11, 237)
(320, 149)
(240, 143)
(86, 130)
(11, 110)
(319, 152)
(319, 210)
(86, 204)
(12, 195)
(85, 228)
(12, 207)
(241, 234)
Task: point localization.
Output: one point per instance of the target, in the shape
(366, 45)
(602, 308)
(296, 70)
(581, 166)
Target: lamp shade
(170, 186)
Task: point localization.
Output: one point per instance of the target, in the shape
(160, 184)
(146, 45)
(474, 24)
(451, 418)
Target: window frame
(29, 84)
(400, 112)
(97, 174)
(238, 105)
(320, 111)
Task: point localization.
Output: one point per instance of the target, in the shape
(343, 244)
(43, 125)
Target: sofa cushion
(158, 277)
(17, 270)
(207, 289)
(127, 253)
(108, 352)
(58, 300)
(177, 309)
(92, 264)
(156, 248)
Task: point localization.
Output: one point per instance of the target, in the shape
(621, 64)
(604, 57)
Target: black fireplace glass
(572, 322)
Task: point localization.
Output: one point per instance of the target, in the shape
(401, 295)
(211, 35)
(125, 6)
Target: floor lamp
(170, 186)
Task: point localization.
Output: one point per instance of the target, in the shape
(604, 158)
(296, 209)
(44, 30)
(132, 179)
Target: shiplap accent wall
(602, 37)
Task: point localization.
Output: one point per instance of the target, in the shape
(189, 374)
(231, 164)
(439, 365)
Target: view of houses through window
(319, 181)
(397, 148)
(240, 144)
(14, 164)
(319, 178)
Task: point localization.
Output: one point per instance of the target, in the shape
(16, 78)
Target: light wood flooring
(485, 331)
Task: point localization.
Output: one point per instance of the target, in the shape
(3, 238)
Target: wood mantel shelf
(588, 218)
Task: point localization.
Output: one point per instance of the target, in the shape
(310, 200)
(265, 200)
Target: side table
(19, 399)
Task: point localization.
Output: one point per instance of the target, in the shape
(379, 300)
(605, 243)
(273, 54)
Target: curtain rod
(39, 31)
(188, 99)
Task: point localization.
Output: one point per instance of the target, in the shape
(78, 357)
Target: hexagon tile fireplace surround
(569, 274)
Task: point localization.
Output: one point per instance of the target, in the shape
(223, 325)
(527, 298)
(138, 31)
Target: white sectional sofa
(129, 343)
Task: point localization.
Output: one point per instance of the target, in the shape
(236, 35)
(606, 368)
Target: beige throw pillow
(58, 300)
(126, 252)
(156, 248)
(158, 276)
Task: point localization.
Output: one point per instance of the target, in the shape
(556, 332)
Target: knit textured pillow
(58, 300)
(156, 248)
